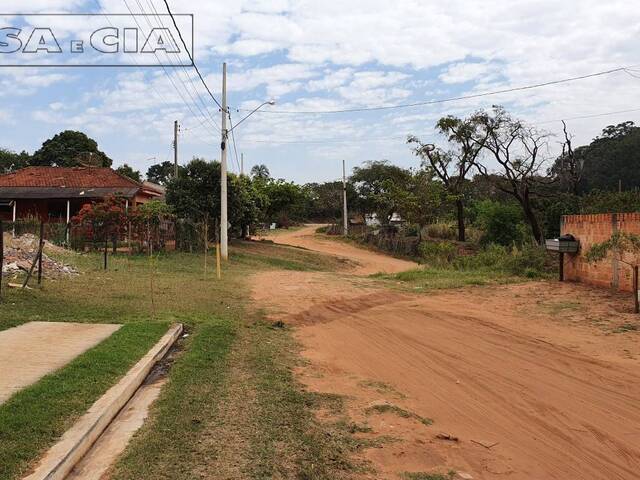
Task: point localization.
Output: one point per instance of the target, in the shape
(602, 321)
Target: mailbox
(563, 244)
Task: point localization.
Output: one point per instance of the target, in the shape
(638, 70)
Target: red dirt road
(527, 394)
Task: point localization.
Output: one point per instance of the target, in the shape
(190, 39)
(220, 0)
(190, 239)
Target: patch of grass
(401, 412)
(381, 387)
(444, 278)
(290, 442)
(627, 327)
(557, 308)
(428, 476)
(36, 416)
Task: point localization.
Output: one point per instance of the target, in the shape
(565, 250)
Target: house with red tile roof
(56, 194)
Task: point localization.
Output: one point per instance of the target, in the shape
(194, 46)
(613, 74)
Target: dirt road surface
(365, 262)
(522, 389)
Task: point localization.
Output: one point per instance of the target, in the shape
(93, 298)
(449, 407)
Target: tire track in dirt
(542, 406)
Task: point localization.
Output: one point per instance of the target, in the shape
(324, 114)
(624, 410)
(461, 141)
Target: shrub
(528, 261)
(438, 254)
(502, 223)
(445, 231)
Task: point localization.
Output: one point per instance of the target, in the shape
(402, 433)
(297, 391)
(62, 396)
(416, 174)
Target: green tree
(611, 160)
(162, 173)
(420, 199)
(378, 184)
(12, 161)
(285, 201)
(325, 200)
(126, 171)
(195, 194)
(70, 149)
(260, 171)
(453, 165)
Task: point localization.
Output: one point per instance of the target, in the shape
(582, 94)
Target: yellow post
(206, 247)
(218, 261)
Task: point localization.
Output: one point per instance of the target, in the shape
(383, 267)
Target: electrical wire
(207, 115)
(233, 137)
(446, 100)
(193, 62)
(184, 68)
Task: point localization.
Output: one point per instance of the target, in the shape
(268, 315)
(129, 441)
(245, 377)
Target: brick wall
(590, 229)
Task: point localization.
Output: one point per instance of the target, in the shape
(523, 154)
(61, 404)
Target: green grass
(231, 404)
(444, 278)
(34, 417)
(428, 476)
(627, 327)
(396, 410)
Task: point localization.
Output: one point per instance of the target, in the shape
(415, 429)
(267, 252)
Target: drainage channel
(93, 444)
(105, 451)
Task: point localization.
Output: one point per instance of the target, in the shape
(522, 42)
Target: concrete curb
(74, 444)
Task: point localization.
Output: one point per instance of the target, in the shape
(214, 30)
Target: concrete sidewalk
(32, 350)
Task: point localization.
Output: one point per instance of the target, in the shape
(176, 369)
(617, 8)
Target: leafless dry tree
(521, 153)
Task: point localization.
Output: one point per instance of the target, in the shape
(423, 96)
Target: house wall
(590, 229)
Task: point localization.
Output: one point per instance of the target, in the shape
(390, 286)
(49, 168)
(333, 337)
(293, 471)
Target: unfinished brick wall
(590, 229)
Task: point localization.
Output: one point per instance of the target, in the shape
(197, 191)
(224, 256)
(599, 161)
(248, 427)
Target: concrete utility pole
(175, 148)
(224, 247)
(344, 201)
(241, 163)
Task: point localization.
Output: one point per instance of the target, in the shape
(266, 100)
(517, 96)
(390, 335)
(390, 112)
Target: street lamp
(224, 221)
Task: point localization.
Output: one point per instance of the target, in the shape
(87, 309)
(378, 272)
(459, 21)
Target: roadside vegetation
(232, 407)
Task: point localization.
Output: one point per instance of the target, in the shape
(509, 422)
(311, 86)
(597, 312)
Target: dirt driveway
(515, 387)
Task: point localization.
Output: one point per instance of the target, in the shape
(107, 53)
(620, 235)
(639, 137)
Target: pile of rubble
(19, 253)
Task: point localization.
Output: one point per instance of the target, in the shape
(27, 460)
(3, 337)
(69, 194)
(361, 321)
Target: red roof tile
(61, 177)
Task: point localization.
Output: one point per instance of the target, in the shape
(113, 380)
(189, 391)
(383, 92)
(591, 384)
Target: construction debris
(19, 253)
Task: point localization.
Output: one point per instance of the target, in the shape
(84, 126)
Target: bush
(502, 223)
(445, 231)
(438, 254)
(528, 261)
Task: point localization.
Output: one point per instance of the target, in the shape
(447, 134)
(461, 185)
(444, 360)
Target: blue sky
(318, 56)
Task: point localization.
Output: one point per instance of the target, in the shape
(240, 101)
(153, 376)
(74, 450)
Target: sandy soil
(528, 381)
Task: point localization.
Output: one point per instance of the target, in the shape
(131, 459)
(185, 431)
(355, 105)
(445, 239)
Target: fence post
(1, 255)
(40, 250)
(636, 302)
(106, 246)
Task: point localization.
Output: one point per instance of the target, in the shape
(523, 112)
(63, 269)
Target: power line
(193, 62)
(233, 138)
(446, 100)
(369, 140)
(207, 116)
(179, 62)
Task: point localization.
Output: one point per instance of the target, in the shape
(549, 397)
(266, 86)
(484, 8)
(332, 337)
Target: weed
(627, 327)
(401, 412)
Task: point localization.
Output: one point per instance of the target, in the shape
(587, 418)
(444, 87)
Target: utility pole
(345, 218)
(175, 148)
(224, 247)
(241, 163)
